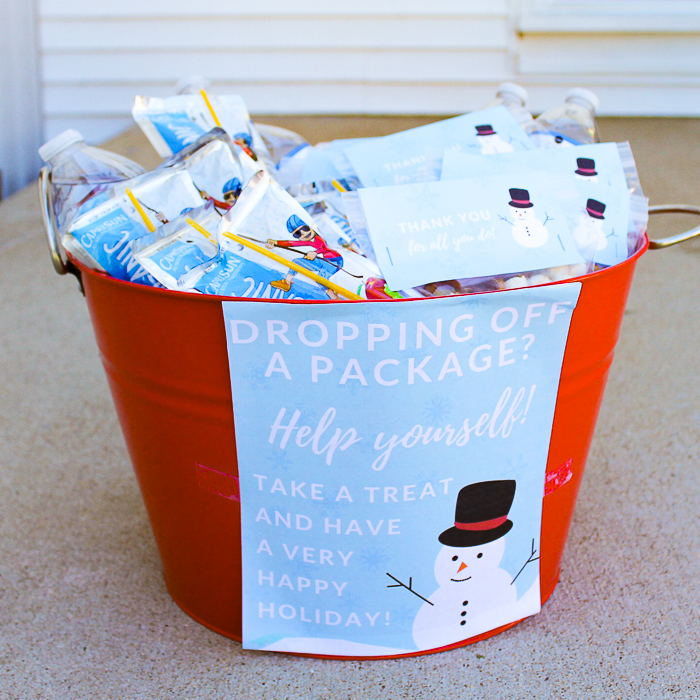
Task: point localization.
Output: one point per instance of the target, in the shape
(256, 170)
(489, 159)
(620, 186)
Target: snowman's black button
(464, 612)
(465, 602)
(463, 622)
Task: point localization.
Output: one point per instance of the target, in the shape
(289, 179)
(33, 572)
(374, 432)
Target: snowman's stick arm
(400, 584)
(503, 218)
(531, 558)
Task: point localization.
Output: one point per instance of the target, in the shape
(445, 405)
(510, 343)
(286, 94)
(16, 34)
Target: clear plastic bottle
(192, 84)
(80, 172)
(514, 97)
(570, 124)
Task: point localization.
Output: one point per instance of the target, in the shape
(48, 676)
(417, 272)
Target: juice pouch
(401, 158)
(324, 202)
(269, 217)
(101, 237)
(171, 123)
(214, 167)
(177, 247)
(240, 272)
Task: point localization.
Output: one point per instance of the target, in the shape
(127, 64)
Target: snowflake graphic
(403, 617)
(374, 558)
(255, 374)
(280, 461)
(437, 410)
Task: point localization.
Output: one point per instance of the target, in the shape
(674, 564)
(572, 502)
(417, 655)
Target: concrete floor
(85, 613)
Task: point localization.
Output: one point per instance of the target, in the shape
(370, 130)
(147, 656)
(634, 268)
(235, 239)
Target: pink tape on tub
(553, 480)
(217, 482)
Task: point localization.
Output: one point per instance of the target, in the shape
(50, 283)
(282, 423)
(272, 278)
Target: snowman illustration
(474, 594)
(490, 142)
(588, 232)
(527, 230)
(586, 170)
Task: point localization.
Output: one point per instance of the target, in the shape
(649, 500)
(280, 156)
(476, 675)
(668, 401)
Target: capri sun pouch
(214, 166)
(171, 123)
(101, 237)
(175, 248)
(269, 217)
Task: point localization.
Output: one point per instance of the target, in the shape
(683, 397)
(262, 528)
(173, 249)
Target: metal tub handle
(679, 237)
(60, 261)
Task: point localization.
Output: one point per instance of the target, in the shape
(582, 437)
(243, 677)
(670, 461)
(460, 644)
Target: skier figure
(588, 232)
(527, 230)
(586, 170)
(231, 193)
(490, 142)
(245, 143)
(321, 259)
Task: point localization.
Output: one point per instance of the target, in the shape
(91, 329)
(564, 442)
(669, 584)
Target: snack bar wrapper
(267, 216)
(175, 248)
(171, 123)
(214, 166)
(101, 237)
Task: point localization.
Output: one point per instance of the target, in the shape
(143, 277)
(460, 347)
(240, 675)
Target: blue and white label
(392, 459)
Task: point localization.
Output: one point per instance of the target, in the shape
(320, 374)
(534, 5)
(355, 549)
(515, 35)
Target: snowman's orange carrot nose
(461, 566)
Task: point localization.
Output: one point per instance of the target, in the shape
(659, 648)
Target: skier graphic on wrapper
(231, 192)
(245, 142)
(474, 594)
(320, 259)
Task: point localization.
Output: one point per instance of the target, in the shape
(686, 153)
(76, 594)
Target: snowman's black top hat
(485, 130)
(586, 167)
(595, 208)
(520, 198)
(481, 514)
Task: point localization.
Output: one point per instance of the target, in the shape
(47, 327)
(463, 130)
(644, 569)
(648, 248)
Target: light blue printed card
(457, 229)
(392, 458)
(591, 163)
(599, 222)
(401, 158)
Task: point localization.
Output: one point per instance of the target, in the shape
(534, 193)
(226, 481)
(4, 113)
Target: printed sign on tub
(392, 459)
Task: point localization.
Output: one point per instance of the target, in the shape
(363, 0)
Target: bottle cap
(514, 89)
(59, 143)
(582, 94)
(191, 83)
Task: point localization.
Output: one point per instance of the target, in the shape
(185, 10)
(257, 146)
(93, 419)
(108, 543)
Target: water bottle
(80, 172)
(513, 97)
(570, 124)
